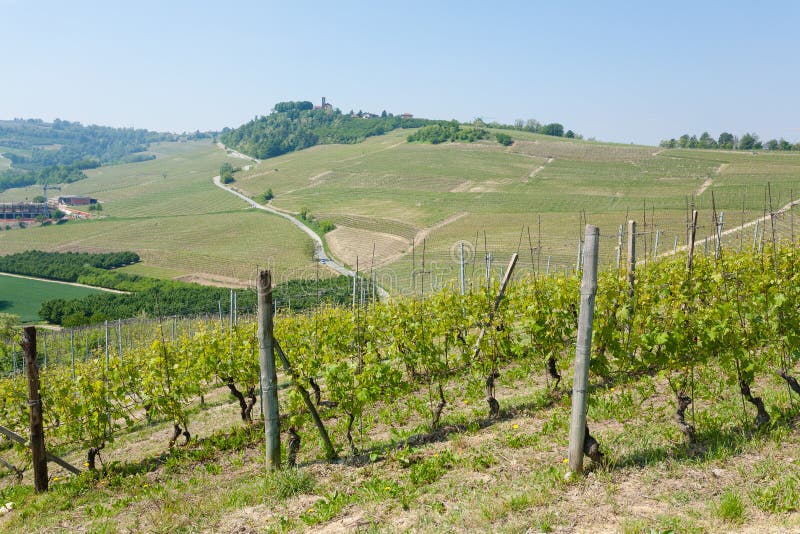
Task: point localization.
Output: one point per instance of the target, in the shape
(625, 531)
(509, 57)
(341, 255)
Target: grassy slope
(386, 186)
(169, 212)
(23, 297)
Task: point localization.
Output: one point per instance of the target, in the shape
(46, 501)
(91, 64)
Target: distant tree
(749, 142)
(693, 142)
(555, 129)
(226, 173)
(532, 125)
(569, 134)
(784, 144)
(504, 139)
(39, 199)
(683, 141)
(726, 141)
(519, 123)
(383, 114)
(706, 141)
(772, 144)
(266, 196)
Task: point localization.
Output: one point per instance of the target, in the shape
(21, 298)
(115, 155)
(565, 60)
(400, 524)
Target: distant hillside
(297, 125)
(60, 151)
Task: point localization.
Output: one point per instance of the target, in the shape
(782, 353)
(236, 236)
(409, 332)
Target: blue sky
(621, 71)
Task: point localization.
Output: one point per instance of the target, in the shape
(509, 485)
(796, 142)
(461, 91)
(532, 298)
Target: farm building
(10, 211)
(74, 200)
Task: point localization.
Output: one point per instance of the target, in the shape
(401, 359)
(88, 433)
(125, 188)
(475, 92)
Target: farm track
(319, 246)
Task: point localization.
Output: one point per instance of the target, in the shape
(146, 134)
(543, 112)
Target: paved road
(319, 249)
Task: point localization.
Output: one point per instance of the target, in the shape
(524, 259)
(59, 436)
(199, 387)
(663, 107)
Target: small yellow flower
(86, 464)
(55, 478)
(387, 488)
(565, 461)
(310, 510)
(145, 485)
(612, 390)
(515, 426)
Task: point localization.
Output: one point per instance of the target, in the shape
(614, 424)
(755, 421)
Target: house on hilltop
(325, 105)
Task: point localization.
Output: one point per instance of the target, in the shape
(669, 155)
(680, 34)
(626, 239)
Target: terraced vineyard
(387, 196)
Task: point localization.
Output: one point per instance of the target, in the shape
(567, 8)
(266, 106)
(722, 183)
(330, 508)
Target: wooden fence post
(631, 257)
(577, 427)
(269, 379)
(35, 404)
(692, 234)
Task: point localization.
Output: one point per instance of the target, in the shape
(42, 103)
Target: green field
(24, 296)
(169, 211)
(390, 200)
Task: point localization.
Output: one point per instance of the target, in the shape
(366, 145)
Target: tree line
(154, 297)
(58, 152)
(729, 141)
(444, 132)
(150, 296)
(555, 129)
(64, 266)
(296, 125)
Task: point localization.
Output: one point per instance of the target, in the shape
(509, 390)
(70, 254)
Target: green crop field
(24, 296)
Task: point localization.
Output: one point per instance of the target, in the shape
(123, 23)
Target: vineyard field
(432, 403)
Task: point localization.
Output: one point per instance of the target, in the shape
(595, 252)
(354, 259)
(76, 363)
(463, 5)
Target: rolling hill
(393, 202)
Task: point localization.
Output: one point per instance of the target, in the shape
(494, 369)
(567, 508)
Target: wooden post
(692, 232)
(497, 300)
(461, 267)
(577, 427)
(631, 257)
(269, 378)
(35, 404)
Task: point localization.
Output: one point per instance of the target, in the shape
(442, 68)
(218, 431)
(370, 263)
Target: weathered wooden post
(692, 234)
(631, 257)
(461, 265)
(269, 378)
(35, 404)
(577, 427)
